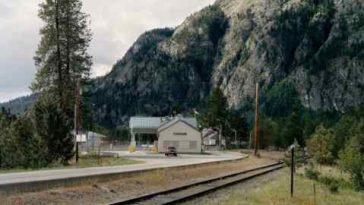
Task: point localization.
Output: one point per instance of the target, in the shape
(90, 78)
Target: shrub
(332, 183)
(312, 173)
(352, 160)
(320, 144)
(334, 188)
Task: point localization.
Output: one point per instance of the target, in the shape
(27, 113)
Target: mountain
(306, 49)
(19, 105)
(316, 46)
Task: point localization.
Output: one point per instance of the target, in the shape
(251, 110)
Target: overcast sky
(116, 24)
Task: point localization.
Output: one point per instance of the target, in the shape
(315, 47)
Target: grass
(84, 162)
(277, 192)
(94, 161)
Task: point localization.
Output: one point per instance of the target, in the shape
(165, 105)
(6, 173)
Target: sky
(115, 24)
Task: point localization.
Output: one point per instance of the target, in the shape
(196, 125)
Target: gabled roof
(191, 122)
(153, 124)
(145, 122)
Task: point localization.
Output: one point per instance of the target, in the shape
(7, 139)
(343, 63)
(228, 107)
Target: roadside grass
(277, 192)
(94, 161)
(84, 162)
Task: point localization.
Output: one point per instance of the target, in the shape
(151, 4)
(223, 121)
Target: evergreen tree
(281, 100)
(62, 61)
(238, 124)
(269, 133)
(62, 56)
(217, 109)
(294, 129)
(52, 126)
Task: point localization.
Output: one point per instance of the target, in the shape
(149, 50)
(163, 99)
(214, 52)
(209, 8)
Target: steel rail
(143, 198)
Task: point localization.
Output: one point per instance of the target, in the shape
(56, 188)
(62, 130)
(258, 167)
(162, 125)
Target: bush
(312, 173)
(352, 160)
(332, 183)
(334, 188)
(320, 144)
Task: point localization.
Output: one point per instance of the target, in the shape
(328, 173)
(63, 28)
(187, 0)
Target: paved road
(155, 161)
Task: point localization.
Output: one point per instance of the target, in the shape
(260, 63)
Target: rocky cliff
(317, 46)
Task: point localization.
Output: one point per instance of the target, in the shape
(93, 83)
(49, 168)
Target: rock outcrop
(318, 46)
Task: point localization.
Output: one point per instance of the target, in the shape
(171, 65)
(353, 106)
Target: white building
(210, 137)
(181, 133)
(90, 141)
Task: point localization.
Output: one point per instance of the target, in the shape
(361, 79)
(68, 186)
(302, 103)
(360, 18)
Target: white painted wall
(183, 137)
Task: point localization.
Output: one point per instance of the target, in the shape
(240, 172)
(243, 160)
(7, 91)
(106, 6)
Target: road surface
(151, 162)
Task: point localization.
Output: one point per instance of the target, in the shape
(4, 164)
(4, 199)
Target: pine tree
(53, 127)
(217, 109)
(62, 60)
(62, 56)
(238, 124)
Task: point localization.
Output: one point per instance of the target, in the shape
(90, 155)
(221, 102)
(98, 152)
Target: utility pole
(250, 140)
(256, 131)
(292, 170)
(77, 115)
(220, 138)
(236, 140)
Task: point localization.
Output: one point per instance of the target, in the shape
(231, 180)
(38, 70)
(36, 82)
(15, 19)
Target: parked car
(171, 152)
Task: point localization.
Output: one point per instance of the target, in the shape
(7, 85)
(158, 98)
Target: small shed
(210, 137)
(182, 135)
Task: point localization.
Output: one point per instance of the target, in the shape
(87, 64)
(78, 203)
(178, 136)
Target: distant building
(90, 141)
(94, 139)
(179, 132)
(210, 137)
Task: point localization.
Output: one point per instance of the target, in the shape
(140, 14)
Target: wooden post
(292, 171)
(256, 132)
(314, 193)
(77, 116)
(220, 137)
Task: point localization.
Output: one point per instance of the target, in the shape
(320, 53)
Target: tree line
(331, 137)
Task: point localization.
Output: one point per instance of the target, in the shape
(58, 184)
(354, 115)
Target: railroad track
(194, 190)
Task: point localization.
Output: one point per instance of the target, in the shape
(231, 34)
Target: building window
(193, 144)
(180, 133)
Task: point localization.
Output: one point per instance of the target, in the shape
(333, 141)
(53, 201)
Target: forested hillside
(20, 105)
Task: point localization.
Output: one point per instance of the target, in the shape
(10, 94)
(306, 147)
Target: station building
(179, 132)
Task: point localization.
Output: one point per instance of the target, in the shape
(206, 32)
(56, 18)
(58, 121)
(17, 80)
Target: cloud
(116, 24)
(116, 27)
